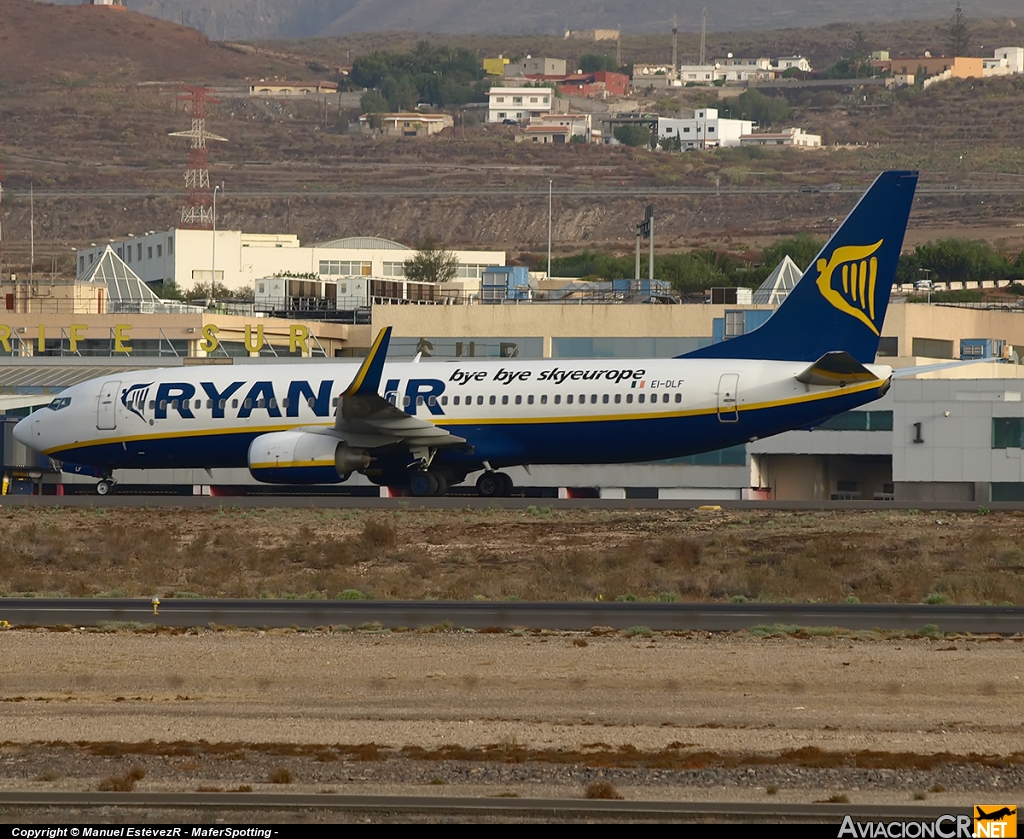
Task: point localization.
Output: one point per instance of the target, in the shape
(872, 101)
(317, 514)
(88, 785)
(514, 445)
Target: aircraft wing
(367, 420)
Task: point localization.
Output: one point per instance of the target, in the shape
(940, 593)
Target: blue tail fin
(840, 302)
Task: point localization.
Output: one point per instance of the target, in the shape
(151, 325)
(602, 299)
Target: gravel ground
(700, 717)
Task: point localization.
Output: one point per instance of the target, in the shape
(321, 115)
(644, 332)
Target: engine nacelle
(303, 457)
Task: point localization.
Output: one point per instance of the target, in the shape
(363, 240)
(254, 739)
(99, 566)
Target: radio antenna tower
(197, 210)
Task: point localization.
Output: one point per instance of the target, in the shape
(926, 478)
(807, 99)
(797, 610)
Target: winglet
(367, 380)
(836, 368)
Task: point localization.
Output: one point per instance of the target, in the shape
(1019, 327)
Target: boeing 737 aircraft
(422, 427)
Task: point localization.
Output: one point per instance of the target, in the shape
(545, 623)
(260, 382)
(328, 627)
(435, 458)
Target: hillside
(262, 19)
(90, 133)
(74, 46)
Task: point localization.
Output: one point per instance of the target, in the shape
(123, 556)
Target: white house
(785, 137)
(697, 73)
(780, 65)
(705, 129)
(1013, 56)
(518, 103)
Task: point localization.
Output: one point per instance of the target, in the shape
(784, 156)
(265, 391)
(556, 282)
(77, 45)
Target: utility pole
(703, 33)
(675, 49)
(549, 228)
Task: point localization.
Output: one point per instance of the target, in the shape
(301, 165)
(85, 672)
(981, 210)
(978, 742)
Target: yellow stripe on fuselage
(450, 421)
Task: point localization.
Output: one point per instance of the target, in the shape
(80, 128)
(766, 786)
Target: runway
(482, 615)
(509, 807)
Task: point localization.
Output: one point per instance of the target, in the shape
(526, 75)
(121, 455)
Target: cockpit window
(59, 402)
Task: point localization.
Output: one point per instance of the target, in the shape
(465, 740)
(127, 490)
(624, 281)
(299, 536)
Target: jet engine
(304, 457)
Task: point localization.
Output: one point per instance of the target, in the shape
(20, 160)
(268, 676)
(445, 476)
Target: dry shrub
(282, 775)
(602, 790)
(123, 783)
(378, 535)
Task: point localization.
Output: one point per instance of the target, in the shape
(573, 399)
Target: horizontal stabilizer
(836, 369)
(910, 372)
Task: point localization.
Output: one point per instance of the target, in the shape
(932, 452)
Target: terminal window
(1007, 432)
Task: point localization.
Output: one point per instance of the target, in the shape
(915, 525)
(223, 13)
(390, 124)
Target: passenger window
(419, 400)
(234, 403)
(431, 400)
(629, 398)
(209, 403)
(618, 398)
(568, 399)
(519, 399)
(529, 399)
(640, 398)
(679, 397)
(604, 399)
(284, 403)
(558, 398)
(311, 402)
(493, 400)
(504, 399)
(664, 397)
(479, 400)
(334, 402)
(544, 399)
(223, 404)
(444, 400)
(152, 404)
(247, 403)
(261, 403)
(174, 404)
(273, 403)
(455, 400)
(163, 404)
(593, 399)
(406, 401)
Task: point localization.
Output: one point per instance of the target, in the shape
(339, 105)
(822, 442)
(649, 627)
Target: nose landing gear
(106, 486)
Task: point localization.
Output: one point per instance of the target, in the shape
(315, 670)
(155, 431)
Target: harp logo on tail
(847, 281)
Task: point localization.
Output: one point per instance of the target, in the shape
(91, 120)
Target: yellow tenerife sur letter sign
(857, 277)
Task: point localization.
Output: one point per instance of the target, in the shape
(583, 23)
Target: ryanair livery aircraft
(424, 427)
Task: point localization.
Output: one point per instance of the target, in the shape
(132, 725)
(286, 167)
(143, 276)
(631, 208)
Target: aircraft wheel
(104, 487)
(506, 484)
(490, 485)
(423, 484)
(442, 485)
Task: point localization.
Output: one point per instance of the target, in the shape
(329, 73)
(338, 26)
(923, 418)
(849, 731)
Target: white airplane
(422, 427)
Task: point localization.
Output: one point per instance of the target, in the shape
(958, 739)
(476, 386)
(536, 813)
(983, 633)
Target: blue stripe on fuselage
(508, 443)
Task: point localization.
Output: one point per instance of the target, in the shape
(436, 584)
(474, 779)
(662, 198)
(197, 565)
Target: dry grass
(497, 555)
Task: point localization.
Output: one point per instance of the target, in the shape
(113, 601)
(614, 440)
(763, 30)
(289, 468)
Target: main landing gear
(494, 485)
(427, 483)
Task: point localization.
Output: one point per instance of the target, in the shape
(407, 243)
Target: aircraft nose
(25, 432)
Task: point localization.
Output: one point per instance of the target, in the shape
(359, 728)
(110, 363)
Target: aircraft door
(728, 397)
(106, 406)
